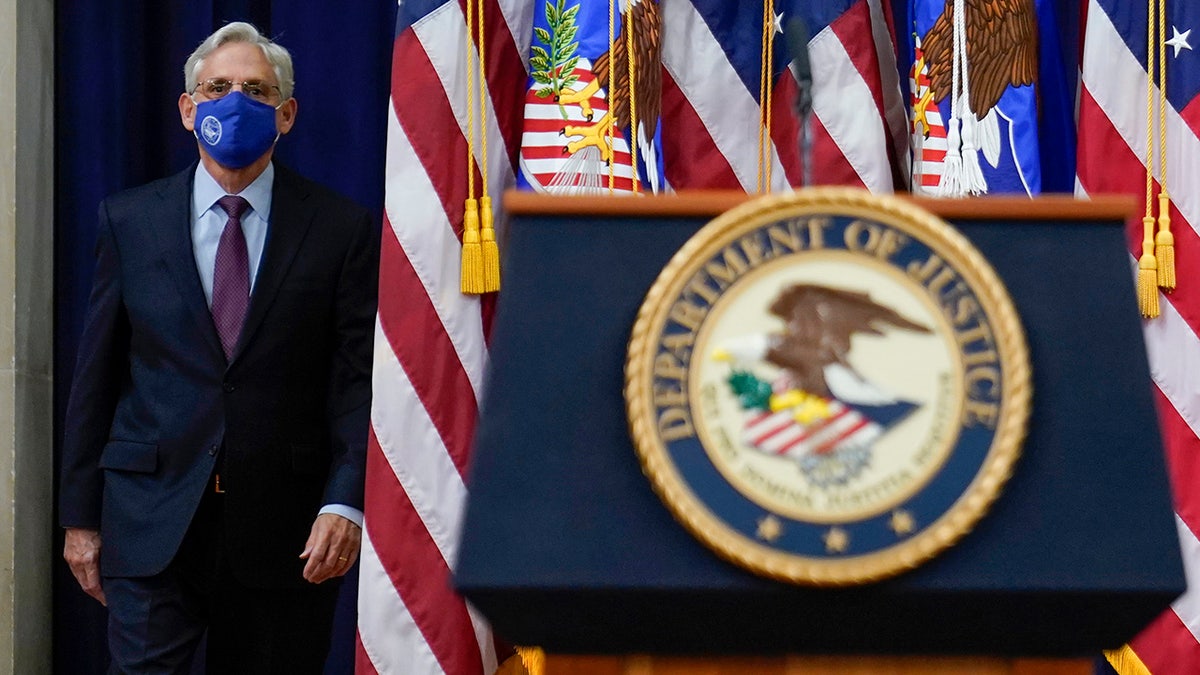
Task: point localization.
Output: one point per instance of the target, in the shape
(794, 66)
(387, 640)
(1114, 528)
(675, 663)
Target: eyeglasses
(217, 87)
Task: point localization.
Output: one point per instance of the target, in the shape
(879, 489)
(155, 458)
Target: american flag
(431, 349)
(711, 85)
(1112, 150)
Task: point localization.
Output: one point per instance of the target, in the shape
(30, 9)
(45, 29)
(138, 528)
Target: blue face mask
(235, 129)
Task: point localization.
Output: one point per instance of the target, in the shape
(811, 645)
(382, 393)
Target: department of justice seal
(828, 388)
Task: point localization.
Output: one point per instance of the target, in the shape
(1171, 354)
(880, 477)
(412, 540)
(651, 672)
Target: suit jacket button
(212, 451)
(228, 388)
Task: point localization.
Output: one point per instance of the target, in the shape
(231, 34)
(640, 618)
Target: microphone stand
(804, 113)
(796, 34)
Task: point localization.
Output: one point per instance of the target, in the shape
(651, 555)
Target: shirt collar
(206, 192)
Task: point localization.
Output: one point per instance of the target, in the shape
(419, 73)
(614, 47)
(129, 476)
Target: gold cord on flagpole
(1164, 250)
(760, 186)
(633, 120)
(471, 280)
(1147, 277)
(768, 143)
(611, 132)
(491, 252)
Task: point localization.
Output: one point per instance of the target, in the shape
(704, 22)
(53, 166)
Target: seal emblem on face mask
(210, 129)
(828, 388)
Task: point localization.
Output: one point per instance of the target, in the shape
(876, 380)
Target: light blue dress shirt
(208, 221)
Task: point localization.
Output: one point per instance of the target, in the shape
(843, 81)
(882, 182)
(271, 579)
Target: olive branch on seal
(555, 69)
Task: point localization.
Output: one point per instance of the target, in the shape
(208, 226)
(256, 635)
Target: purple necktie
(231, 275)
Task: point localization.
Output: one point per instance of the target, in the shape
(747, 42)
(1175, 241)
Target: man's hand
(82, 552)
(331, 549)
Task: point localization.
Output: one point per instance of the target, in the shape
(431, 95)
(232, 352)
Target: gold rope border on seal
(956, 522)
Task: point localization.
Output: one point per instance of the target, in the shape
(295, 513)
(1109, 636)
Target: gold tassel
(534, 659)
(472, 251)
(1147, 278)
(491, 251)
(1125, 661)
(1164, 244)
(527, 661)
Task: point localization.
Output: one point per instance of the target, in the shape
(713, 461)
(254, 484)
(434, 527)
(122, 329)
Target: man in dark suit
(213, 457)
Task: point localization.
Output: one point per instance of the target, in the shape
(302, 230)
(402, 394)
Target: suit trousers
(157, 623)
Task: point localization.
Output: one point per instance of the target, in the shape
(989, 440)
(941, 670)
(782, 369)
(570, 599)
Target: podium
(566, 546)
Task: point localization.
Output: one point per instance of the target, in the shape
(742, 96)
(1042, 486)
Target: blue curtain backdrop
(119, 72)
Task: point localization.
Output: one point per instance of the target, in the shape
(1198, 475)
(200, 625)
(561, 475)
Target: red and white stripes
(929, 136)
(710, 129)
(780, 433)
(1112, 143)
(430, 347)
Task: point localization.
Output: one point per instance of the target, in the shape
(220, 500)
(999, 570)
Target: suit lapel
(173, 228)
(289, 222)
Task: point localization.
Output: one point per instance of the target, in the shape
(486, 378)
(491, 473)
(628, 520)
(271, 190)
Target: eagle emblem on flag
(593, 100)
(975, 64)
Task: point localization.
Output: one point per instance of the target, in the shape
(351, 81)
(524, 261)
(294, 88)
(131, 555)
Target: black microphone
(796, 36)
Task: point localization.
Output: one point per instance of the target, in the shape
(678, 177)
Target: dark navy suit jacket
(155, 403)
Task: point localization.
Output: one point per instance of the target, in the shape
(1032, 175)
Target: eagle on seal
(819, 322)
(817, 410)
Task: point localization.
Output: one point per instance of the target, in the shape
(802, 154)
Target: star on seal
(836, 540)
(769, 528)
(902, 523)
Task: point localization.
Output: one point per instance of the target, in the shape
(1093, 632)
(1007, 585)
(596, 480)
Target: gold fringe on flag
(1125, 661)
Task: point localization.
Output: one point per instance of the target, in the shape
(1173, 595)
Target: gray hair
(240, 31)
